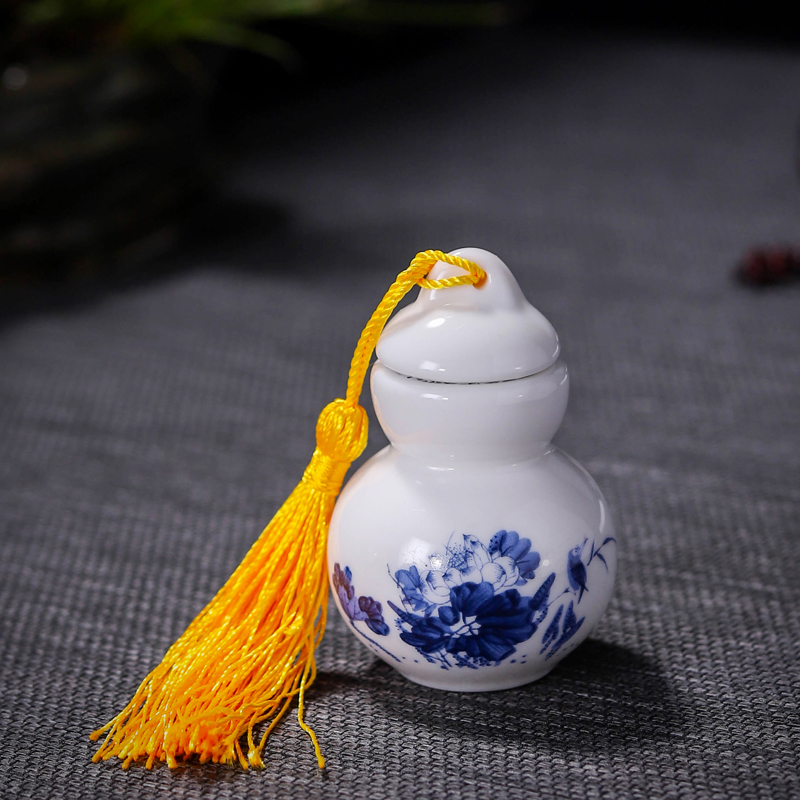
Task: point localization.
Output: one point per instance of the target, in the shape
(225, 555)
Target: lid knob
(469, 334)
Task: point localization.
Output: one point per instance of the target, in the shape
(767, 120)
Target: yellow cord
(245, 657)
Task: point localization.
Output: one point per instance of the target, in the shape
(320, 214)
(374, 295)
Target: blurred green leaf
(231, 22)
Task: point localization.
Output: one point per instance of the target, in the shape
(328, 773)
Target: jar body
(464, 568)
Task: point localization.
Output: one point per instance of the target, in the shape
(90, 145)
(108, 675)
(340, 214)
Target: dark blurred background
(121, 120)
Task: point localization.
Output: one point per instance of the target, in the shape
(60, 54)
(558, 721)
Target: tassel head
(342, 430)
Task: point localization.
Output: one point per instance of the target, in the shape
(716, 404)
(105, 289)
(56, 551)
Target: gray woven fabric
(146, 436)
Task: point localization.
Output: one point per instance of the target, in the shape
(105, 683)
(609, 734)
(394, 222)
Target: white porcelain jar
(471, 554)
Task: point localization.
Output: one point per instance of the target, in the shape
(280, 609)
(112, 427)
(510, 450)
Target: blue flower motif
(491, 624)
(508, 544)
(478, 626)
(508, 561)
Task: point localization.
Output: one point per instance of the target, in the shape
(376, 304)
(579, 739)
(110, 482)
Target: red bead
(766, 266)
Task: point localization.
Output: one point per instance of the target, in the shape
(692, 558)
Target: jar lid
(469, 334)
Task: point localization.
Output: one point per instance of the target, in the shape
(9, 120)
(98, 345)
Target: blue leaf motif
(449, 615)
(552, 630)
(426, 634)
(405, 616)
(410, 583)
(539, 600)
(571, 626)
(607, 540)
(570, 620)
(597, 554)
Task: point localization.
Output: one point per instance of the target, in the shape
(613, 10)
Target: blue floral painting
(466, 610)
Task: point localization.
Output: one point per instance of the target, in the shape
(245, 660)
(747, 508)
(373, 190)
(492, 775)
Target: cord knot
(341, 438)
(342, 431)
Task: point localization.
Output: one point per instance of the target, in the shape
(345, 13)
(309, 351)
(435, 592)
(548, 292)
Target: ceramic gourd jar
(471, 554)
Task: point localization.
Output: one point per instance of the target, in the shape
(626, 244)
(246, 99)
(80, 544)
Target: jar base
(451, 683)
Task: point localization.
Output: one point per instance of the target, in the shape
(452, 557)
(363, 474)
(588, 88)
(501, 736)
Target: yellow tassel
(250, 651)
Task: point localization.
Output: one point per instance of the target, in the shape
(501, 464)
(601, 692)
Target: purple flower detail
(342, 582)
(361, 609)
(373, 615)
